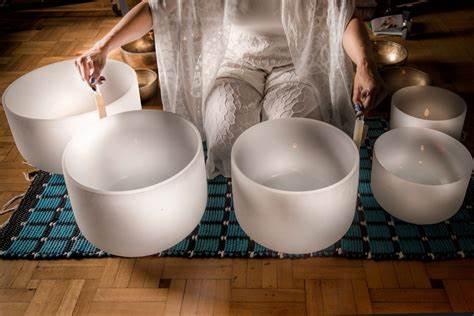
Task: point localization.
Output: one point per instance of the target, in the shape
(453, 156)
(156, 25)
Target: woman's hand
(367, 85)
(136, 23)
(90, 65)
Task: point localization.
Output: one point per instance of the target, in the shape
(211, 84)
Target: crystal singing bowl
(294, 183)
(388, 53)
(136, 182)
(396, 78)
(47, 106)
(420, 175)
(430, 107)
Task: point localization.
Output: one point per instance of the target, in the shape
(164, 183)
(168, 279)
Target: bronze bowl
(140, 53)
(388, 53)
(396, 78)
(147, 83)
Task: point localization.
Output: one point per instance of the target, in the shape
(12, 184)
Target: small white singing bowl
(137, 182)
(294, 184)
(420, 175)
(429, 107)
(47, 106)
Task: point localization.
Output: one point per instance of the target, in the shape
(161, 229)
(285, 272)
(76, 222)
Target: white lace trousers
(234, 105)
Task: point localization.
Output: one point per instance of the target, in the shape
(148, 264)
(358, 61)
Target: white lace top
(262, 16)
(192, 38)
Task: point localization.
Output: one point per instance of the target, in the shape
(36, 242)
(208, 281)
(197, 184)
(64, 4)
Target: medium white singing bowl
(429, 107)
(294, 184)
(136, 182)
(420, 175)
(47, 106)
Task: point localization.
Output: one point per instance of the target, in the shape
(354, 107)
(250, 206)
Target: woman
(226, 65)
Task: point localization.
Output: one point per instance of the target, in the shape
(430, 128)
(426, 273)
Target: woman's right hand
(137, 22)
(90, 65)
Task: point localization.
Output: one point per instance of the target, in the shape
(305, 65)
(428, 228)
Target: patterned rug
(43, 227)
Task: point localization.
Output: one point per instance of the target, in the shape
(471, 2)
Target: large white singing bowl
(47, 106)
(137, 182)
(294, 184)
(420, 175)
(429, 107)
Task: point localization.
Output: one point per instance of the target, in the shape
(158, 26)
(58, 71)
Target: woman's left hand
(367, 85)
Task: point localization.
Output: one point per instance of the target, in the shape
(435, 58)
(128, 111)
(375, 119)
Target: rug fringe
(27, 163)
(7, 207)
(30, 176)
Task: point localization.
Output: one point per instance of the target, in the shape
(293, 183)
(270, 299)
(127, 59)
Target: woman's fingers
(94, 72)
(364, 97)
(85, 68)
(95, 78)
(90, 65)
(356, 94)
(82, 68)
(95, 75)
(367, 102)
(89, 70)
(78, 68)
(369, 96)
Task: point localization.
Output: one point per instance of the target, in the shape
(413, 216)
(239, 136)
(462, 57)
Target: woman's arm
(136, 23)
(366, 81)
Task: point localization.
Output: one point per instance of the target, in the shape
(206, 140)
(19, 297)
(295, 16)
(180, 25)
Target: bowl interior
(141, 45)
(387, 52)
(423, 156)
(57, 91)
(429, 103)
(131, 150)
(145, 77)
(295, 154)
(396, 78)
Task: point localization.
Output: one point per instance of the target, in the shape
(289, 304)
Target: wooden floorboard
(173, 286)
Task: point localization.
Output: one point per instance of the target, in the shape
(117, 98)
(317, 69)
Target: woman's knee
(232, 105)
(292, 99)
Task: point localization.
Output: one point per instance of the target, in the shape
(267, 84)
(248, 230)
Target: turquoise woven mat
(43, 227)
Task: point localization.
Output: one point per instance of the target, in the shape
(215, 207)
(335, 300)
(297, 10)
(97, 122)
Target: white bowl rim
(141, 189)
(354, 169)
(4, 104)
(429, 130)
(399, 91)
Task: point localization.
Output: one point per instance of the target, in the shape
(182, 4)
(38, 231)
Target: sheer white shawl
(191, 39)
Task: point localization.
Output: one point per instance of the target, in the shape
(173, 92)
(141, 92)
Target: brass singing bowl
(147, 83)
(396, 78)
(388, 53)
(140, 53)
